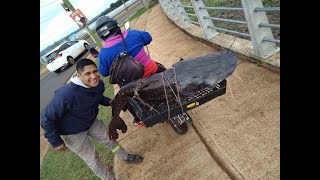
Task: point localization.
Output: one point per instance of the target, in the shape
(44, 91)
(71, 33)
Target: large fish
(189, 76)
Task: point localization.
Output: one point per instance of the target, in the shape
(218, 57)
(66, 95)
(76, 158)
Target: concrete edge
(214, 151)
(242, 47)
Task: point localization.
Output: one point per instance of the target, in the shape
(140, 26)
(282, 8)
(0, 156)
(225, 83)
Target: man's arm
(105, 101)
(49, 120)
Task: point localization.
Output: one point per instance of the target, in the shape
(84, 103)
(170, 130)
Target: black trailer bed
(151, 117)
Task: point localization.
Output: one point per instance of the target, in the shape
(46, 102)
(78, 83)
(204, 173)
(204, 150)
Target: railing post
(172, 10)
(183, 17)
(261, 48)
(161, 3)
(209, 32)
(165, 6)
(145, 3)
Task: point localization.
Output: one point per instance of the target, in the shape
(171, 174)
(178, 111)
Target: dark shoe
(134, 159)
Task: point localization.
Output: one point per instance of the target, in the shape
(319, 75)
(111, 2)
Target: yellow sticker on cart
(191, 105)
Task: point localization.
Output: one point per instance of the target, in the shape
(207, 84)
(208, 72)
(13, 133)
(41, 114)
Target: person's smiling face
(90, 75)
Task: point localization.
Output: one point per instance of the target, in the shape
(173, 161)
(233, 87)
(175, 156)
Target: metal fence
(262, 39)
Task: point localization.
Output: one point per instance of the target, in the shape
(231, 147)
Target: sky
(55, 22)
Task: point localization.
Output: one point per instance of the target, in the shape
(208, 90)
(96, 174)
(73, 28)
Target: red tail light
(59, 55)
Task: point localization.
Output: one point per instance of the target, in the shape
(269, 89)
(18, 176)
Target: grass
(140, 11)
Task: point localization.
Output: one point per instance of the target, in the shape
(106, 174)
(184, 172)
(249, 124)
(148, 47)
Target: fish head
(194, 74)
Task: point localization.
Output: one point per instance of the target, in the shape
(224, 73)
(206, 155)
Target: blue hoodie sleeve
(50, 119)
(146, 37)
(105, 101)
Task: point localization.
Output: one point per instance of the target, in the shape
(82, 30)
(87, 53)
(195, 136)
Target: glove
(116, 123)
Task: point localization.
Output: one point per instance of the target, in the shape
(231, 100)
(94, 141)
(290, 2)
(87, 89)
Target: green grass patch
(137, 14)
(189, 10)
(271, 3)
(67, 165)
(186, 2)
(140, 11)
(215, 3)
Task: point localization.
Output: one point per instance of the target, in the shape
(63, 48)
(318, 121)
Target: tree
(55, 44)
(124, 5)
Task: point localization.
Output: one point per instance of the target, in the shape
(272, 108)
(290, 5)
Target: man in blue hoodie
(70, 119)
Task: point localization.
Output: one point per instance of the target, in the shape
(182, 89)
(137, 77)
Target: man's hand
(61, 148)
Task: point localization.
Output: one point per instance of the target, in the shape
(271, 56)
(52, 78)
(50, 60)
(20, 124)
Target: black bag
(125, 69)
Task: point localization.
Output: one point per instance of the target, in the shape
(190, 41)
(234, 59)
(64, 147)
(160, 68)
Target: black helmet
(106, 27)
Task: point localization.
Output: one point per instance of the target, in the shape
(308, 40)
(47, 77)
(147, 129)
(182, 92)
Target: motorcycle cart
(178, 113)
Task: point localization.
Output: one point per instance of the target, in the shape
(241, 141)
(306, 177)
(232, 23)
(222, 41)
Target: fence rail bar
(271, 40)
(189, 14)
(267, 9)
(226, 20)
(230, 31)
(259, 27)
(192, 22)
(222, 8)
(274, 26)
(185, 6)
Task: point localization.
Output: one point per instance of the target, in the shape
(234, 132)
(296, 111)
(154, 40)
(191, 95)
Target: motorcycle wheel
(182, 129)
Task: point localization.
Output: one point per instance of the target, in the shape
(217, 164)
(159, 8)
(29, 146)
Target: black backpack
(124, 68)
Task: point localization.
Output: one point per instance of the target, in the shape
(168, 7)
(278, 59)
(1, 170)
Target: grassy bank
(141, 10)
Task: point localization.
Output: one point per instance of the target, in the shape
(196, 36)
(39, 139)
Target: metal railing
(260, 34)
